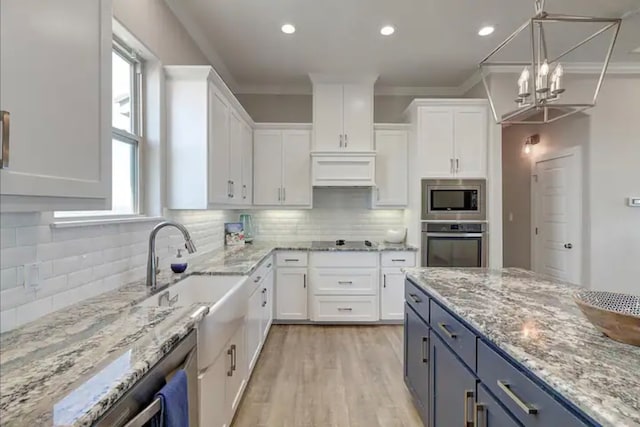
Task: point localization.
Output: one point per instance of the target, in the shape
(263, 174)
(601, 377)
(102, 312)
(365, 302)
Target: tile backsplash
(77, 263)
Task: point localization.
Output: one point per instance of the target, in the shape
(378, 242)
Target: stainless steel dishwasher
(139, 405)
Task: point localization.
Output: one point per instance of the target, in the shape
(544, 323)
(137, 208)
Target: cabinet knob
(568, 246)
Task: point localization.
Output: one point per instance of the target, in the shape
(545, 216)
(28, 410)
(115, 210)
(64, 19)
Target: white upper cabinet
(391, 168)
(209, 141)
(282, 166)
(342, 116)
(55, 98)
(452, 138)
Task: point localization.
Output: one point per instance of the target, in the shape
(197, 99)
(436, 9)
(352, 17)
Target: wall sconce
(530, 141)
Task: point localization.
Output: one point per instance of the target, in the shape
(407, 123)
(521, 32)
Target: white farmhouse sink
(227, 297)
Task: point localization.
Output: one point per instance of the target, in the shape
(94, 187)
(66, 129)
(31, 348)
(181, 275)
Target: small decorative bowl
(615, 315)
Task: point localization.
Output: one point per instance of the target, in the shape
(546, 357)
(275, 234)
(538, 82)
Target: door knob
(568, 245)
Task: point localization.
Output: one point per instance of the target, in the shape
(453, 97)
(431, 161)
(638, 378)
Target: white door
(254, 326)
(296, 172)
(219, 182)
(358, 117)
(236, 149)
(267, 167)
(436, 142)
(392, 294)
(236, 381)
(55, 83)
(470, 135)
(291, 294)
(327, 117)
(247, 165)
(391, 168)
(267, 305)
(211, 390)
(557, 217)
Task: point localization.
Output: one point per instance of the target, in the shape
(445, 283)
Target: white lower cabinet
(291, 294)
(267, 305)
(254, 326)
(345, 308)
(222, 383)
(392, 283)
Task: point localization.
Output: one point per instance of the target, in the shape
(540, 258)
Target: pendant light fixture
(540, 84)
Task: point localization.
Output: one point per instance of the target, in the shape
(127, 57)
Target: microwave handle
(467, 235)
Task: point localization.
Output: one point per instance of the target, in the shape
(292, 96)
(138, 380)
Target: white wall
(337, 214)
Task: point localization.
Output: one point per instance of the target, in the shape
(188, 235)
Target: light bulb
(523, 84)
(527, 148)
(544, 68)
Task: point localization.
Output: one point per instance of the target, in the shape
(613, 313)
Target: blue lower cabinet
(416, 360)
(453, 387)
(489, 413)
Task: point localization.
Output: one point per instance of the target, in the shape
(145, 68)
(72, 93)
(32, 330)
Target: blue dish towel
(174, 400)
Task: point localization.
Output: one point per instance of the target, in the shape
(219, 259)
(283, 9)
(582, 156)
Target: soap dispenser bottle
(179, 264)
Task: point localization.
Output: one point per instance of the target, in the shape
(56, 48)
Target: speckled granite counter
(536, 322)
(69, 367)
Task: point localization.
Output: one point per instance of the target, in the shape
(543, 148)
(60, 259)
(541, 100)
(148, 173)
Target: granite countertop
(69, 367)
(534, 320)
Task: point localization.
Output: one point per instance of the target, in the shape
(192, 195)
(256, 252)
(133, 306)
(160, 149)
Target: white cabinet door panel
(436, 142)
(345, 308)
(235, 158)
(391, 168)
(296, 182)
(358, 117)
(235, 384)
(247, 165)
(267, 166)
(470, 134)
(254, 327)
(392, 294)
(291, 294)
(55, 81)
(267, 304)
(327, 117)
(219, 134)
(211, 388)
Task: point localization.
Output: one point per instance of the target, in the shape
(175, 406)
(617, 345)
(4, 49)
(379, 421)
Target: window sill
(88, 222)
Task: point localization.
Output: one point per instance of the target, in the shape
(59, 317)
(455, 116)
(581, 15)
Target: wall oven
(454, 245)
(453, 199)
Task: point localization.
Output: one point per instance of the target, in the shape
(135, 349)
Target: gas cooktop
(345, 244)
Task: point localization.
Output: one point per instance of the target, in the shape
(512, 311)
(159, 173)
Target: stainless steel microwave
(453, 199)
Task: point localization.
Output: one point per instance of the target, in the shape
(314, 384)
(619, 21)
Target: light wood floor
(329, 376)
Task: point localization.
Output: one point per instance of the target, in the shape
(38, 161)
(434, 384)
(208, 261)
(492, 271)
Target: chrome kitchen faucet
(152, 261)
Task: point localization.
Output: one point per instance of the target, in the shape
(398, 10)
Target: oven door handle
(455, 234)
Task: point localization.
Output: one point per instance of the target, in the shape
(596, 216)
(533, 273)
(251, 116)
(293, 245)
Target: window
(126, 133)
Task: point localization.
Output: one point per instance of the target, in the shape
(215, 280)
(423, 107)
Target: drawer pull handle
(230, 353)
(345, 309)
(345, 282)
(291, 260)
(304, 281)
(257, 279)
(527, 408)
(415, 298)
(480, 413)
(425, 349)
(467, 394)
(399, 260)
(447, 332)
(269, 265)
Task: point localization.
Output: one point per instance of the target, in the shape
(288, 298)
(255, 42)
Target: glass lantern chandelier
(540, 85)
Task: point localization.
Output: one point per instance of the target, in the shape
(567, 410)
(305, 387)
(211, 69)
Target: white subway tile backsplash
(18, 256)
(11, 219)
(33, 235)
(33, 310)
(7, 237)
(8, 278)
(7, 320)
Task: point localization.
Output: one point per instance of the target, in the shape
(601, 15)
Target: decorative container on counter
(615, 315)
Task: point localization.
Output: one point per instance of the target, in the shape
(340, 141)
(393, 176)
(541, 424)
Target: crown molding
(200, 39)
(417, 90)
(293, 89)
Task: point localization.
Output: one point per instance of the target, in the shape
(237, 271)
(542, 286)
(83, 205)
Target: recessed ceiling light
(485, 31)
(387, 30)
(288, 29)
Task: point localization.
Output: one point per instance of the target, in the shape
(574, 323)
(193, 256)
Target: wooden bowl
(615, 315)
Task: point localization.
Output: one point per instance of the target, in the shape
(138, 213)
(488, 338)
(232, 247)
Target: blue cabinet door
(416, 360)
(452, 387)
(489, 413)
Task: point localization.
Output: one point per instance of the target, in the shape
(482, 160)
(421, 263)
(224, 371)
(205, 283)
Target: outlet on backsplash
(32, 276)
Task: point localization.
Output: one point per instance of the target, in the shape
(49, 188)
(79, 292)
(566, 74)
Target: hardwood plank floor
(329, 376)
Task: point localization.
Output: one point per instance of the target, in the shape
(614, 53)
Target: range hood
(340, 169)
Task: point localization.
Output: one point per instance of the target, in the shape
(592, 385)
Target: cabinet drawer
(398, 259)
(345, 308)
(454, 333)
(261, 272)
(417, 299)
(291, 259)
(344, 281)
(529, 403)
(489, 413)
(344, 259)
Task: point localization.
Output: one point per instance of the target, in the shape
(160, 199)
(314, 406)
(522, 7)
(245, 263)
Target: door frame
(577, 170)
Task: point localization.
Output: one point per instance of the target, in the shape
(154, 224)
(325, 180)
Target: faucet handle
(157, 265)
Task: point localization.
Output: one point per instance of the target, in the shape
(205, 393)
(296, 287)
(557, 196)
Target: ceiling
(435, 44)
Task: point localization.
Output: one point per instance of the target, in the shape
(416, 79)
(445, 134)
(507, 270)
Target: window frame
(135, 138)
